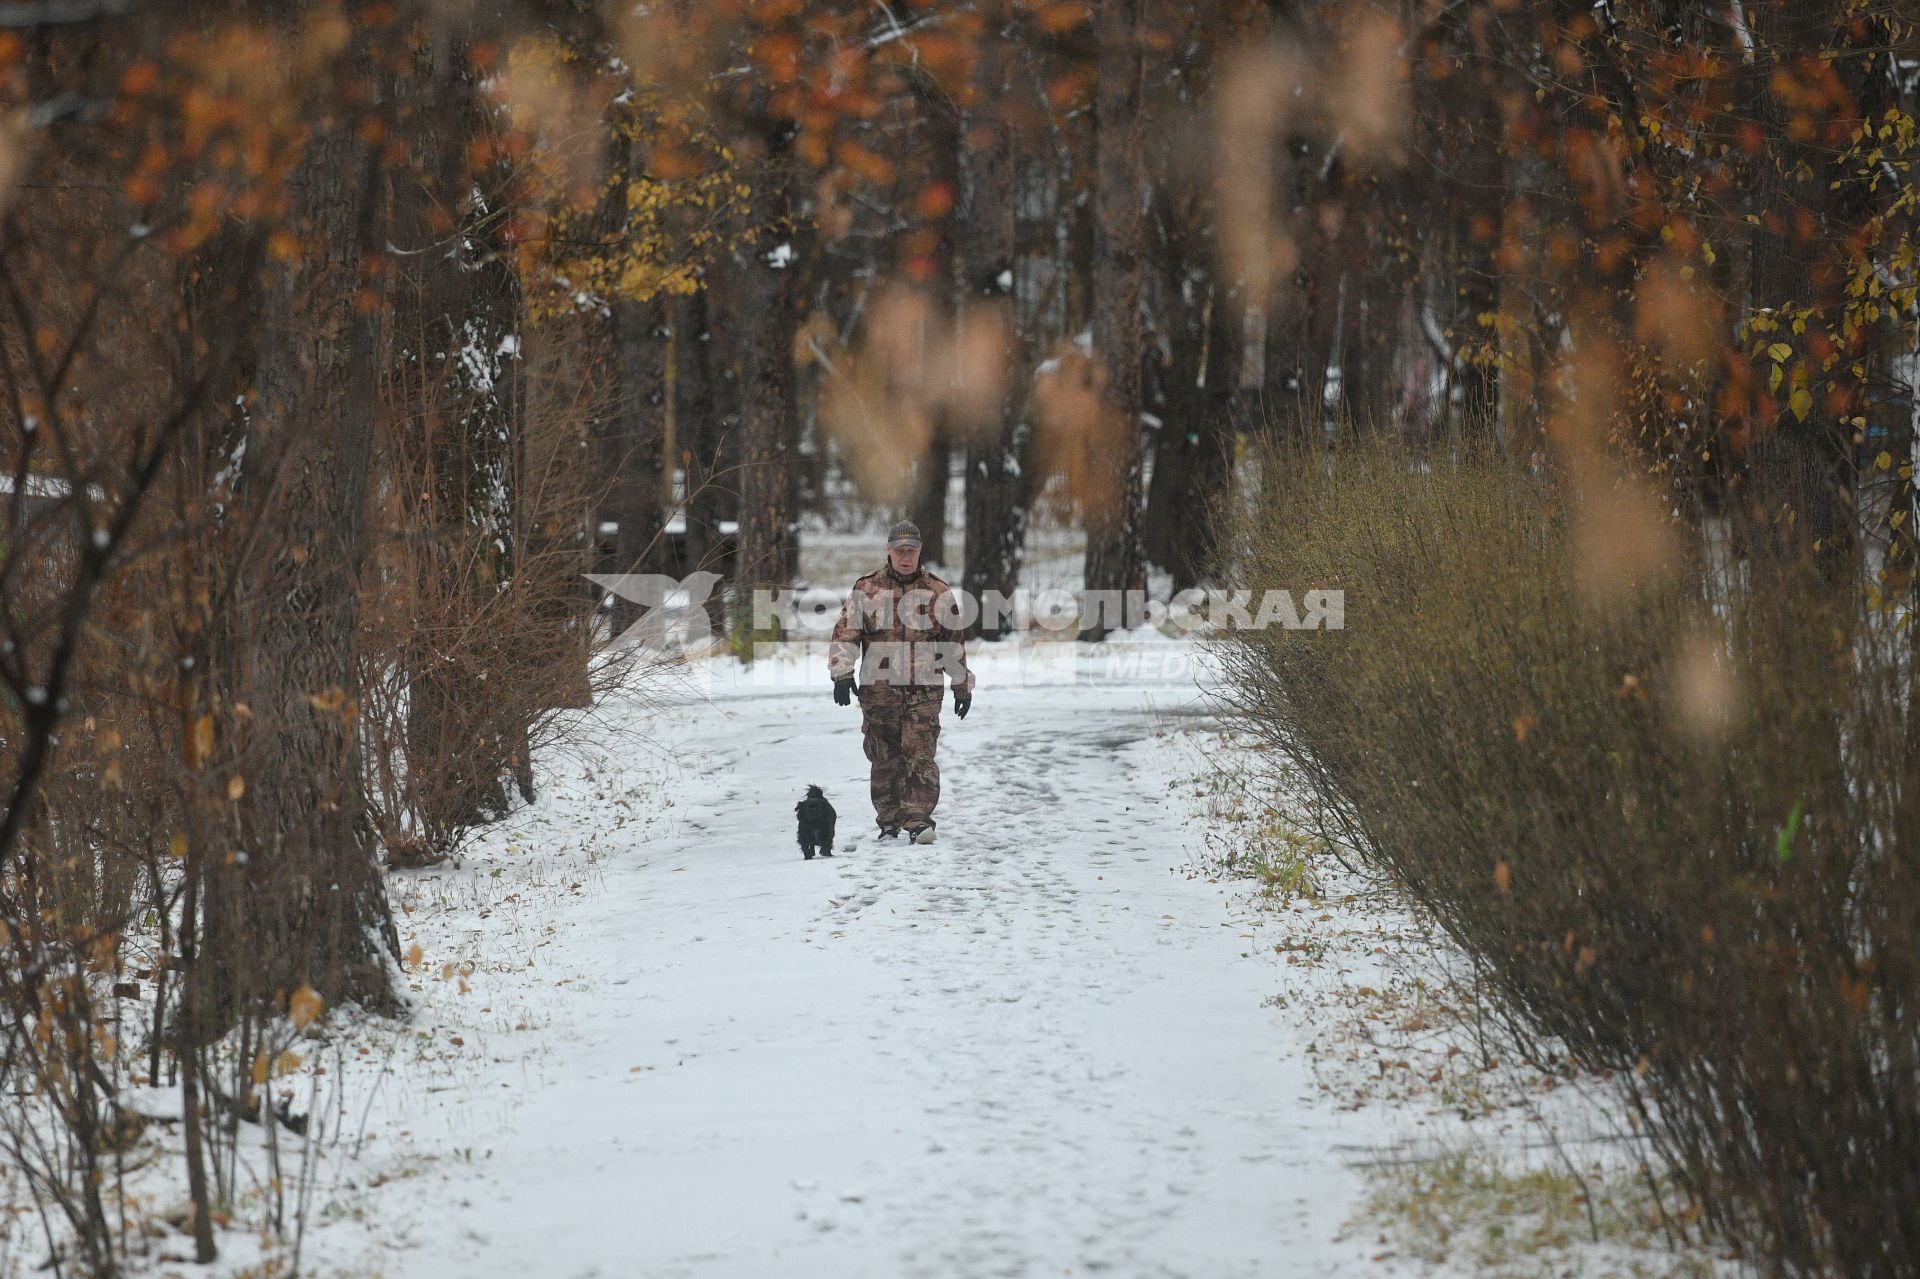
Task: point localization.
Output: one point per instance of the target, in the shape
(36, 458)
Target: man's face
(905, 559)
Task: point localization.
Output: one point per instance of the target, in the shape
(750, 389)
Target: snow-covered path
(1037, 1047)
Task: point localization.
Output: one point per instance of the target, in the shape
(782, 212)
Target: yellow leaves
(1503, 877)
(1780, 352)
(1801, 403)
(414, 957)
(1522, 725)
(1884, 462)
(679, 214)
(177, 845)
(306, 1004)
(236, 787)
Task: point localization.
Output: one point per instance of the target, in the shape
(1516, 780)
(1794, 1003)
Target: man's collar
(903, 578)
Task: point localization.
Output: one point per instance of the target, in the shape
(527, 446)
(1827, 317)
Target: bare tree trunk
(996, 485)
(1475, 178)
(927, 503)
(301, 901)
(187, 1053)
(1112, 506)
(1301, 320)
(706, 449)
(763, 353)
(634, 448)
(1193, 459)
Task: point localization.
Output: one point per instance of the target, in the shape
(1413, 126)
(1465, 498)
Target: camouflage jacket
(903, 634)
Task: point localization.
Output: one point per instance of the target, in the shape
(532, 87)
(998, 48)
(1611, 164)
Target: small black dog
(816, 824)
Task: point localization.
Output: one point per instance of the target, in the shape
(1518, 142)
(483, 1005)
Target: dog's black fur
(816, 824)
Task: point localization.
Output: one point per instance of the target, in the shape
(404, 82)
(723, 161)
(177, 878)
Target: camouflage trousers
(899, 736)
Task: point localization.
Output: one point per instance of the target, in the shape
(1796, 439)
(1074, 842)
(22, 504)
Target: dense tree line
(338, 343)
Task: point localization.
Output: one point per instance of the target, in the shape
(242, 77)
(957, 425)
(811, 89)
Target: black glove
(962, 703)
(843, 691)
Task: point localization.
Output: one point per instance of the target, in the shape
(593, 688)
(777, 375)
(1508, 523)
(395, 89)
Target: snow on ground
(651, 1040)
(1033, 1047)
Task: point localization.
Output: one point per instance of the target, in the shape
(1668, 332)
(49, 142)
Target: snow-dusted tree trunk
(631, 433)
(1459, 121)
(460, 348)
(294, 895)
(635, 443)
(1112, 504)
(1198, 397)
(996, 485)
(703, 409)
(760, 338)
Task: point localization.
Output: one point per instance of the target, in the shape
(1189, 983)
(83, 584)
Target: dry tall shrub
(508, 640)
(1677, 826)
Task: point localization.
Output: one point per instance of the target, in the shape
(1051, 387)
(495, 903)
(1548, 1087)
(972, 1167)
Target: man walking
(901, 627)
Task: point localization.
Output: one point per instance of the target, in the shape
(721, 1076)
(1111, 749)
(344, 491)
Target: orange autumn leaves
(914, 371)
(1354, 88)
(227, 103)
(304, 1007)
